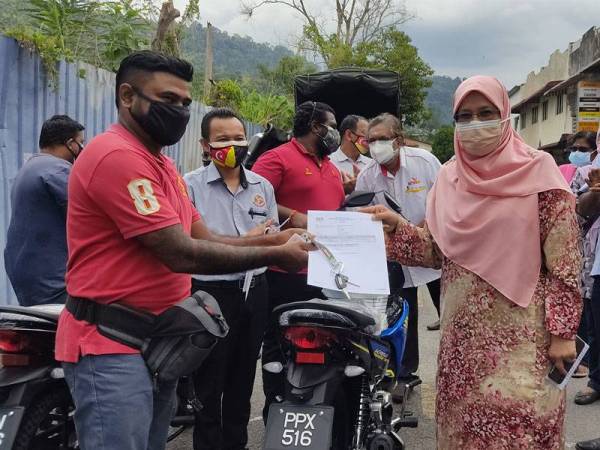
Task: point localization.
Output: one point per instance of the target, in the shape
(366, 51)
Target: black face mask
(73, 154)
(164, 123)
(330, 142)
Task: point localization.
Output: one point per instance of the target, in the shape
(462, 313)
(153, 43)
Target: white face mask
(383, 151)
(480, 138)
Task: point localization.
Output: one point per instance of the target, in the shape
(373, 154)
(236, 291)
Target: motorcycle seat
(356, 315)
(49, 312)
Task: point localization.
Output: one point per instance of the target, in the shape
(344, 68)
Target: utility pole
(208, 62)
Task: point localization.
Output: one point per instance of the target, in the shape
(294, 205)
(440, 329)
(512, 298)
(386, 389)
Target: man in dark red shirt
(303, 178)
(134, 237)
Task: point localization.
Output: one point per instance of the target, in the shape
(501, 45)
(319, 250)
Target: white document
(355, 240)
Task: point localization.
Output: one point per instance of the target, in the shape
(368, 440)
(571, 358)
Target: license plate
(10, 419)
(298, 427)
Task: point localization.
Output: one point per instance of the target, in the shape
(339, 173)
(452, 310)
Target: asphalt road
(583, 422)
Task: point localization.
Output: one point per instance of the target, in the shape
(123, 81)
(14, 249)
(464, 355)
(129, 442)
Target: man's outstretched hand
(260, 229)
(293, 255)
(286, 235)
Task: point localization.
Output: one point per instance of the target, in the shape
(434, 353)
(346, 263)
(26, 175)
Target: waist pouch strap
(118, 322)
(175, 343)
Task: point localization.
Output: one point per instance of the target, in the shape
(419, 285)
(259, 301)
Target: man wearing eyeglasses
(352, 157)
(36, 244)
(407, 174)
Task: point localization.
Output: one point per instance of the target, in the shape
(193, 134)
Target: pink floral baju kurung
(492, 390)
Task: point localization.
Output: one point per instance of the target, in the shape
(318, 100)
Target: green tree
(64, 20)
(393, 50)
(226, 93)
(443, 143)
(280, 79)
(123, 28)
(366, 35)
(96, 32)
(254, 106)
(266, 108)
(354, 22)
(10, 16)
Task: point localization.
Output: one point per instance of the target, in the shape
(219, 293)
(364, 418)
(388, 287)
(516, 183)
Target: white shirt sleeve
(434, 169)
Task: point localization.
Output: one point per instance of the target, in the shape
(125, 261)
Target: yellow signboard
(588, 126)
(588, 105)
(589, 115)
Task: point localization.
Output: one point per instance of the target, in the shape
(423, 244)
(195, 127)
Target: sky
(504, 38)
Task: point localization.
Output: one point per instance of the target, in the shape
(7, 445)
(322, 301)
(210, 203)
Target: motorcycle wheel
(48, 424)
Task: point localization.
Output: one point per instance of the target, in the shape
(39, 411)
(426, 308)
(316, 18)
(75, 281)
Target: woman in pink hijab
(501, 224)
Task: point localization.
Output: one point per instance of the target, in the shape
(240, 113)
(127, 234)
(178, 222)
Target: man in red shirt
(134, 237)
(303, 178)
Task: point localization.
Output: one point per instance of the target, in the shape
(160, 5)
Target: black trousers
(410, 361)
(283, 288)
(585, 324)
(593, 336)
(224, 383)
(434, 287)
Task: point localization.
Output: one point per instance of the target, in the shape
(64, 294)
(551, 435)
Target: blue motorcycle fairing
(396, 336)
(380, 351)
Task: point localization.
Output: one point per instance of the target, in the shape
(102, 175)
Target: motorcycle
(36, 409)
(339, 371)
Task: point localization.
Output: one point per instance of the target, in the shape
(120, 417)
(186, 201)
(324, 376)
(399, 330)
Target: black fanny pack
(174, 343)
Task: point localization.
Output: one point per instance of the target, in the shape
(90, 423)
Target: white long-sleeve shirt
(410, 186)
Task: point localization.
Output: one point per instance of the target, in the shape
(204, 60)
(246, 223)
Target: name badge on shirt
(415, 185)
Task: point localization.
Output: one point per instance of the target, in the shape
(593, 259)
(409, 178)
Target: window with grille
(545, 110)
(534, 114)
(559, 103)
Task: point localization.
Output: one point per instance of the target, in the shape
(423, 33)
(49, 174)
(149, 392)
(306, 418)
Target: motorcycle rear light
(13, 342)
(309, 338)
(14, 360)
(310, 358)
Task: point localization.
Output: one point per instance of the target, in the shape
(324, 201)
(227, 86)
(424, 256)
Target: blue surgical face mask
(579, 159)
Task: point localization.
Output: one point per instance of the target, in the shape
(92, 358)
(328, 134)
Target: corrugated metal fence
(83, 92)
